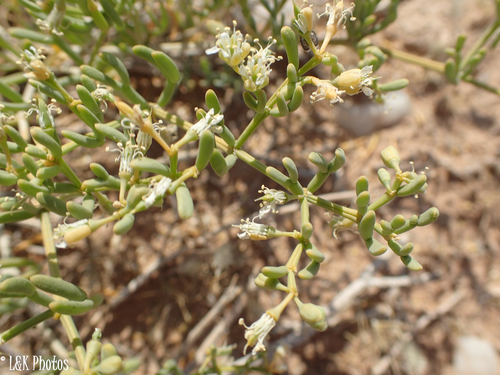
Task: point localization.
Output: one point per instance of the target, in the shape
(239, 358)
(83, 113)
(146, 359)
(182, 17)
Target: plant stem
(413, 59)
(55, 271)
(20, 328)
(481, 85)
(479, 43)
(348, 213)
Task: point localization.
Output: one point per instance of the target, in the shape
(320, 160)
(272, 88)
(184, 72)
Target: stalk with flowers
(35, 162)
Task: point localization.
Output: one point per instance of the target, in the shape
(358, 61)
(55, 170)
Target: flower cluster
(326, 90)
(355, 80)
(62, 229)
(231, 48)
(253, 231)
(157, 190)
(337, 18)
(32, 59)
(257, 68)
(257, 332)
(252, 64)
(128, 152)
(337, 15)
(270, 200)
(53, 21)
(209, 121)
(304, 20)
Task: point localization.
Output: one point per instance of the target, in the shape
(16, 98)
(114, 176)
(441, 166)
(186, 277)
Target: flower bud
(77, 234)
(109, 366)
(93, 348)
(107, 350)
(391, 159)
(385, 178)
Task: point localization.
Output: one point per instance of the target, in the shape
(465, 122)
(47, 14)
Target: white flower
(53, 21)
(256, 69)
(337, 16)
(271, 198)
(143, 141)
(5, 117)
(326, 90)
(355, 80)
(210, 121)
(157, 189)
(61, 230)
(44, 112)
(101, 94)
(257, 332)
(127, 153)
(232, 48)
(34, 67)
(304, 22)
(253, 231)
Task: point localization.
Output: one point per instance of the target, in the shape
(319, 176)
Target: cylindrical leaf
(65, 307)
(205, 150)
(185, 205)
(46, 173)
(58, 287)
(313, 253)
(366, 225)
(310, 271)
(18, 285)
(51, 203)
(124, 224)
(275, 272)
(218, 163)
